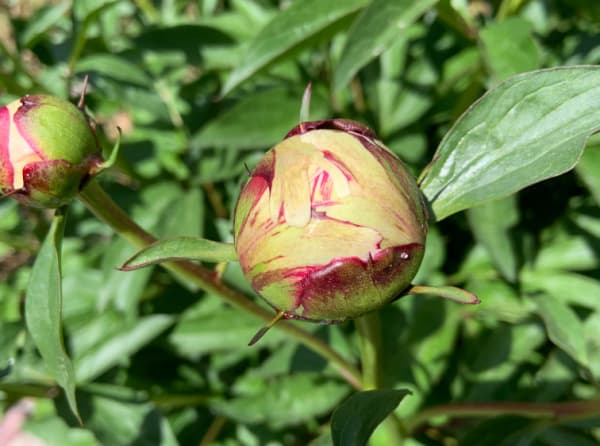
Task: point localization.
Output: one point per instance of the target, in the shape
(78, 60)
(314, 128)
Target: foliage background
(158, 363)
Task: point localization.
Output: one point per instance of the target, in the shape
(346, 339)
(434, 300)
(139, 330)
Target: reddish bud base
(343, 277)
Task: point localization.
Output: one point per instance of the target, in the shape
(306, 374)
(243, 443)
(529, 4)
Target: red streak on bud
(339, 164)
(6, 168)
(266, 168)
(21, 120)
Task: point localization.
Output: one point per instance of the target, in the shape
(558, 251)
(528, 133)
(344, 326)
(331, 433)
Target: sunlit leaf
(43, 310)
(532, 127)
(289, 29)
(381, 22)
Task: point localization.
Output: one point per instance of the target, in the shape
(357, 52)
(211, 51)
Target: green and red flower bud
(330, 225)
(47, 150)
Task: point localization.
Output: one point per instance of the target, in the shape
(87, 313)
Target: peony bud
(47, 150)
(330, 225)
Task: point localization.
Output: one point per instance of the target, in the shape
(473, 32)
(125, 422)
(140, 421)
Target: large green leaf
(289, 29)
(532, 127)
(353, 421)
(379, 24)
(43, 310)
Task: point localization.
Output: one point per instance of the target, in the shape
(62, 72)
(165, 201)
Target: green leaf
(288, 400)
(120, 347)
(43, 310)
(39, 25)
(506, 57)
(452, 293)
(532, 127)
(212, 327)
(564, 328)
(568, 287)
(287, 31)
(353, 421)
(259, 120)
(378, 25)
(181, 248)
(490, 224)
(120, 416)
(115, 67)
(589, 171)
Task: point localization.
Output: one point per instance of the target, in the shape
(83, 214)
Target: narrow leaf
(42, 21)
(445, 292)
(288, 30)
(43, 310)
(353, 421)
(532, 127)
(181, 248)
(564, 328)
(378, 25)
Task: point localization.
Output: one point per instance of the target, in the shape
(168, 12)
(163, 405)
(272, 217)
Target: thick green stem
(563, 411)
(103, 207)
(369, 333)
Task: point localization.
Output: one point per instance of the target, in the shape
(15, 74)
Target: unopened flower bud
(330, 225)
(47, 149)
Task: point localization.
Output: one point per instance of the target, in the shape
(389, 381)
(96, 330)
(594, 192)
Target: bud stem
(106, 210)
(369, 333)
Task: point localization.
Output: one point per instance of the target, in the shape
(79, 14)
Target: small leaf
(43, 311)
(564, 328)
(181, 248)
(288, 30)
(532, 127)
(353, 421)
(379, 24)
(445, 292)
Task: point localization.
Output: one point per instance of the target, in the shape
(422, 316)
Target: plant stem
(105, 209)
(369, 332)
(563, 411)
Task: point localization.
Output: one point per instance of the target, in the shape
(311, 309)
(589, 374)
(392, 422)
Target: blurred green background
(200, 88)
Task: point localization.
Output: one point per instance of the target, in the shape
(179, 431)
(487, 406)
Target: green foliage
(202, 88)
